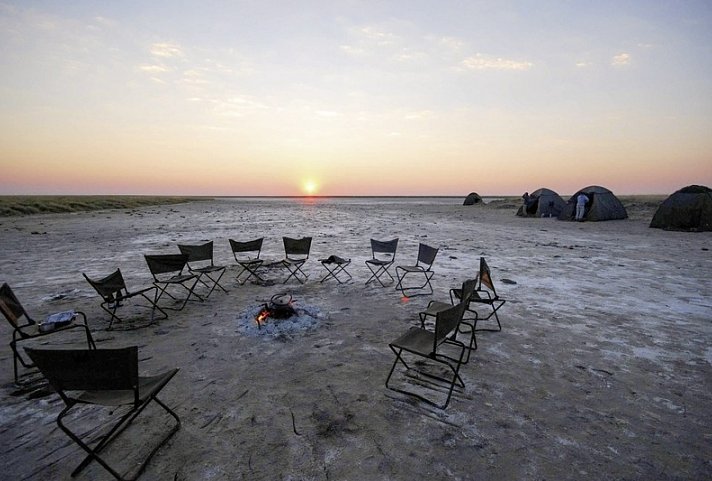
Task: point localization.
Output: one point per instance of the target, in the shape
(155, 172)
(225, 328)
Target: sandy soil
(602, 370)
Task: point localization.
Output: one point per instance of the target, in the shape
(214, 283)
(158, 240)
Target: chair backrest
(166, 263)
(88, 369)
(486, 276)
(468, 290)
(446, 321)
(297, 248)
(384, 250)
(111, 287)
(197, 253)
(246, 248)
(11, 307)
(426, 255)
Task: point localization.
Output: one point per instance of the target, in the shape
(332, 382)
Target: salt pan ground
(603, 369)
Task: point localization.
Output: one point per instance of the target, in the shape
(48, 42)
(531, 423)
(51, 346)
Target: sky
(339, 97)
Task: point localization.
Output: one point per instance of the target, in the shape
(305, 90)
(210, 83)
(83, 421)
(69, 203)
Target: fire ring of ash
(304, 319)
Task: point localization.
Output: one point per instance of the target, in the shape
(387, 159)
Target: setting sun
(310, 187)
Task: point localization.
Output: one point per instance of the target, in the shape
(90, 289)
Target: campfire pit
(279, 307)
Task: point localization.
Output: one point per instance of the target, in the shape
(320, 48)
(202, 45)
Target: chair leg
(216, 283)
(294, 271)
(114, 432)
(251, 272)
(334, 273)
(191, 292)
(213, 282)
(428, 275)
(378, 273)
(111, 312)
(155, 307)
(456, 379)
(495, 308)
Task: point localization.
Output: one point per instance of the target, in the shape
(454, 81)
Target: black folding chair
(422, 267)
(296, 253)
(383, 254)
(107, 378)
(467, 324)
(167, 271)
(200, 262)
(438, 347)
(247, 256)
(30, 329)
(115, 294)
(485, 295)
(335, 266)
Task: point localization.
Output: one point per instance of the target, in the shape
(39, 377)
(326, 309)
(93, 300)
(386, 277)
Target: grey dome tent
(689, 208)
(472, 198)
(543, 203)
(602, 205)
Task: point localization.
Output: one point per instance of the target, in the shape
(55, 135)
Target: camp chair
(383, 254)
(247, 255)
(114, 294)
(426, 257)
(167, 271)
(13, 312)
(485, 294)
(433, 347)
(296, 253)
(106, 378)
(200, 262)
(468, 287)
(334, 266)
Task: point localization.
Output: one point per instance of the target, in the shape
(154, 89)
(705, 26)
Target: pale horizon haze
(354, 97)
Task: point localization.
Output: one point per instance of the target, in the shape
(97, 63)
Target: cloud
(583, 64)
(381, 37)
(451, 43)
(486, 62)
(166, 50)
(351, 50)
(154, 69)
(621, 60)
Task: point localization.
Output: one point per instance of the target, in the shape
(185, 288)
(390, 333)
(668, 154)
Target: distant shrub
(27, 205)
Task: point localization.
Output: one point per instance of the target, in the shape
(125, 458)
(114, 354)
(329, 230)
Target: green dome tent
(472, 199)
(543, 203)
(689, 208)
(602, 205)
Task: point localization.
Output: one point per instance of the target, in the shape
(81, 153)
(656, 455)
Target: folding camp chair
(200, 262)
(115, 294)
(432, 347)
(296, 253)
(426, 257)
(335, 266)
(467, 325)
(13, 312)
(383, 254)
(247, 255)
(486, 295)
(167, 271)
(107, 378)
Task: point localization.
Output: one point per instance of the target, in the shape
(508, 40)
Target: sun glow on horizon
(310, 187)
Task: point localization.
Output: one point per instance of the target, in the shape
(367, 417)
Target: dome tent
(602, 205)
(543, 203)
(689, 208)
(472, 198)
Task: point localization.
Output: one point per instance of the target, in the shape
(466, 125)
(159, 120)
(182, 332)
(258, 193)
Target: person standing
(581, 201)
(526, 200)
